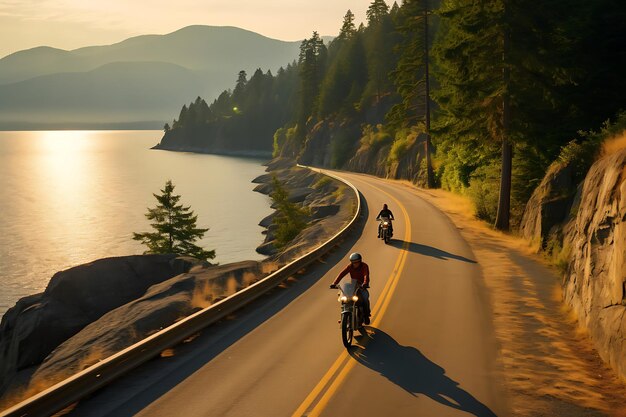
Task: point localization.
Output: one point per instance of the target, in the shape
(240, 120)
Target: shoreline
(241, 153)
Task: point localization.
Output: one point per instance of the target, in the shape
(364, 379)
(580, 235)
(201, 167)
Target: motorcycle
(351, 310)
(384, 229)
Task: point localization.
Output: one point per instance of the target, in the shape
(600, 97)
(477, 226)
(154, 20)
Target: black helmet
(356, 256)
(384, 206)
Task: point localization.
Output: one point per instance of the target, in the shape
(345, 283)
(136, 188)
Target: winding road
(430, 349)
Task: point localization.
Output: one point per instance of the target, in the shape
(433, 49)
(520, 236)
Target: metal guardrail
(74, 388)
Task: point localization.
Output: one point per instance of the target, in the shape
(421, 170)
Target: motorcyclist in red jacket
(359, 271)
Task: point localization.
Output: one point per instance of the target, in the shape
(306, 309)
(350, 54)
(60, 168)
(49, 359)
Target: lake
(69, 197)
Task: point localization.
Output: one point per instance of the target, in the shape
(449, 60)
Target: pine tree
(348, 29)
(501, 74)
(175, 227)
(377, 10)
(312, 65)
(290, 219)
(411, 75)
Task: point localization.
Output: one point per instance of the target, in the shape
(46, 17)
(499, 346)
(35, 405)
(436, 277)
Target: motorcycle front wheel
(346, 330)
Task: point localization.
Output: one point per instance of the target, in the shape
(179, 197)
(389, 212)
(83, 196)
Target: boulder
(549, 205)
(73, 299)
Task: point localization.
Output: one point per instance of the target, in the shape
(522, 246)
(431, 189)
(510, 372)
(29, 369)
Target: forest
(474, 96)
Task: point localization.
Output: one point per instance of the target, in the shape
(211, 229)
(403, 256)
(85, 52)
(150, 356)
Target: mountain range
(142, 81)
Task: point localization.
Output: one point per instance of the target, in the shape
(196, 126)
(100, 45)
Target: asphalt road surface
(430, 349)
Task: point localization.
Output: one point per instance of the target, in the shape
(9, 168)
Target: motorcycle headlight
(343, 299)
(386, 224)
(355, 298)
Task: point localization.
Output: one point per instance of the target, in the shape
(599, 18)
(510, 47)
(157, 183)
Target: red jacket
(361, 274)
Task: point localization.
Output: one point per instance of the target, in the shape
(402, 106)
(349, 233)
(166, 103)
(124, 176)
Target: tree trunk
(504, 200)
(430, 183)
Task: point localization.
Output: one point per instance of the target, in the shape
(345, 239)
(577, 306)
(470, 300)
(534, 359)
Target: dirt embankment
(548, 363)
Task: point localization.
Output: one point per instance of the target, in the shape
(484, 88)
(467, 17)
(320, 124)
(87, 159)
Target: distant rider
(385, 212)
(359, 271)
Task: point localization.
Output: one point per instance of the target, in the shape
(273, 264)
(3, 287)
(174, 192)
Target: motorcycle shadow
(408, 368)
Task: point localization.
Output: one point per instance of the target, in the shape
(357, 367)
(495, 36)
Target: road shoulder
(548, 363)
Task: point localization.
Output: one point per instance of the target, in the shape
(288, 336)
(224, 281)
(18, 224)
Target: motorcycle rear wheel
(346, 330)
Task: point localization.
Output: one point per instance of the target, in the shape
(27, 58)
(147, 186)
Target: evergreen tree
(379, 39)
(376, 12)
(290, 219)
(312, 64)
(411, 75)
(175, 227)
(501, 74)
(240, 85)
(348, 29)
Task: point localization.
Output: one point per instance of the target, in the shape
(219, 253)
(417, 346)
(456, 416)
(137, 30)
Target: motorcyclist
(385, 212)
(359, 271)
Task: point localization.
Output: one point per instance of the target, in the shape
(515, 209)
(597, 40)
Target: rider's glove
(333, 287)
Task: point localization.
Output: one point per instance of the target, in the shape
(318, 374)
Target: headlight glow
(355, 298)
(343, 298)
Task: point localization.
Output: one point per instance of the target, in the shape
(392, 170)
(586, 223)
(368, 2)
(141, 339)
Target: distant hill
(144, 78)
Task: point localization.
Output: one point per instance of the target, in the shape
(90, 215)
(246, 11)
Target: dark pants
(364, 300)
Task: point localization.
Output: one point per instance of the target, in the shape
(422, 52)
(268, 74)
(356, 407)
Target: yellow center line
(342, 366)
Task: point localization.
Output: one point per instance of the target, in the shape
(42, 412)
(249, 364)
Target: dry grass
(37, 385)
(548, 362)
(614, 144)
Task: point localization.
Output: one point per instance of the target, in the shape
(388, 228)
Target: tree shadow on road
(430, 251)
(408, 368)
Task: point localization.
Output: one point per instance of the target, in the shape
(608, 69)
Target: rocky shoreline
(92, 311)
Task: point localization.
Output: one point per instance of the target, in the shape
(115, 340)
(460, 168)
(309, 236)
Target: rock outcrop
(73, 299)
(595, 283)
(162, 305)
(550, 205)
(586, 224)
(330, 206)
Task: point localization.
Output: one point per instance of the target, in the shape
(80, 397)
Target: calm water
(69, 197)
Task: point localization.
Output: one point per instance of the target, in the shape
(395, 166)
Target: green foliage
(322, 182)
(375, 137)
(290, 219)
(483, 191)
(581, 152)
(175, 227)
(558, 254)
(311, 67)
(404, 138)
(409, 75)
(341, 148)
(376, 12)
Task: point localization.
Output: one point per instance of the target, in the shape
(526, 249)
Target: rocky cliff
(340, 145)
(587, 223)
(595, 282)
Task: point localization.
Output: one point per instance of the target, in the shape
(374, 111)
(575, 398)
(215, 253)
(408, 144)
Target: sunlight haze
(70, 24)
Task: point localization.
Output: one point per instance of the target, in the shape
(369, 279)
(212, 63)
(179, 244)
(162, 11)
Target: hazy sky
(69, 24)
